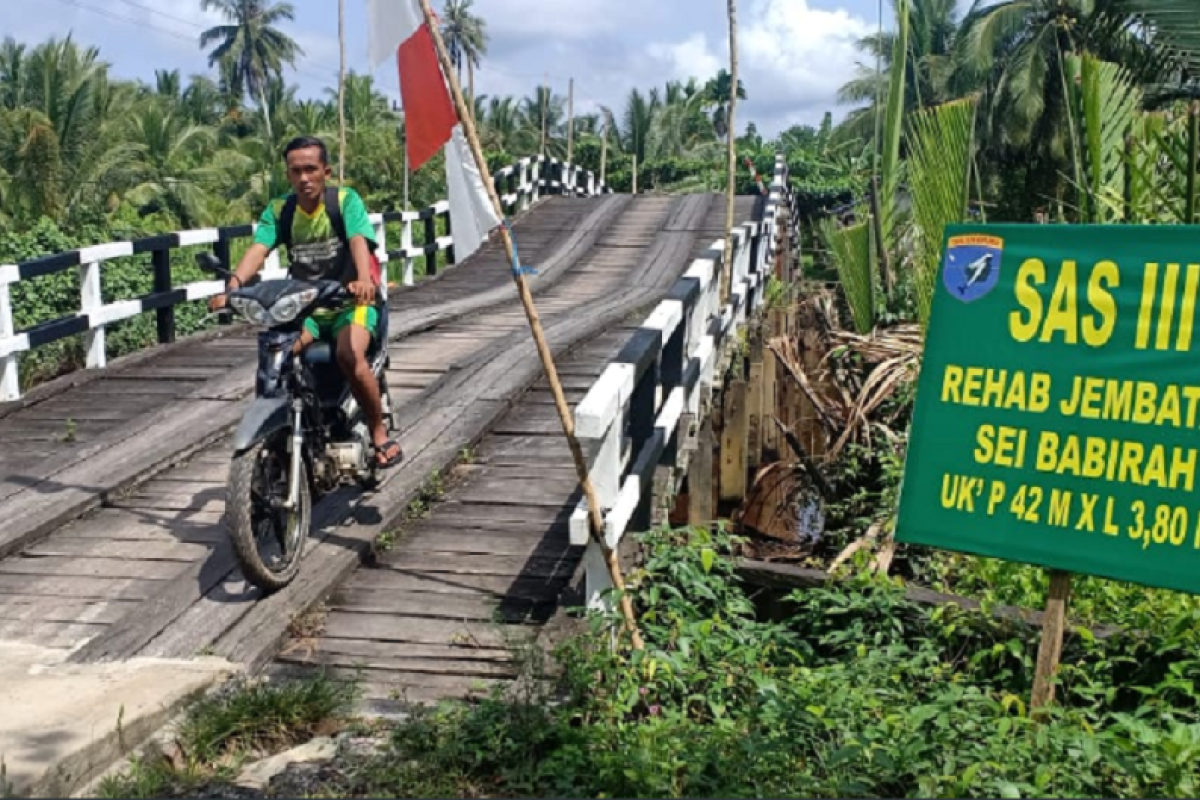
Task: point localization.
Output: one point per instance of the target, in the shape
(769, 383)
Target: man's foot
(388, 454)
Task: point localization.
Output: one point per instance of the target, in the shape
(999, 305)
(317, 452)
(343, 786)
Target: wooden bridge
(112, 478)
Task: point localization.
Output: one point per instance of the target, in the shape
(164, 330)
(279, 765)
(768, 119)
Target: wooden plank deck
(150, 572)
(70, 444)
(444, 611)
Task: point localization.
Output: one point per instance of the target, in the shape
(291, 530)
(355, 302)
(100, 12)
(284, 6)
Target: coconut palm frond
(941, 141)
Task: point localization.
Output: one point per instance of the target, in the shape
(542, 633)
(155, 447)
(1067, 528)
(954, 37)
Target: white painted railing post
(406, 243)
(91, 300)
(10, 382)
(381, 252)
(523, 185)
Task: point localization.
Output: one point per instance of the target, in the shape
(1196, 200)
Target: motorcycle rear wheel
(257, 477)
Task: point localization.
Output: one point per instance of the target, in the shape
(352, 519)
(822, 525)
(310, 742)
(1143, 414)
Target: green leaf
(941, 145)
(707, 557)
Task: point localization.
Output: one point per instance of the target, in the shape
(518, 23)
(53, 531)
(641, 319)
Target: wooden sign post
(1054, 621)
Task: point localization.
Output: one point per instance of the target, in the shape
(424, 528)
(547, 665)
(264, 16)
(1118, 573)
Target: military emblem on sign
(972, 266)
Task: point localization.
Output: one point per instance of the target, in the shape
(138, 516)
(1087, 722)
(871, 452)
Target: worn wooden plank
(404, 664)
(392, 628)
(78, 587)
(544, 494)
(413, 561)
(37, 608)
(43, 505)
(370, 649)
(494, 585)
(476, 608)
(392, 689)
(68, 546)
(80, 566)
(524, 543)
(133, 525)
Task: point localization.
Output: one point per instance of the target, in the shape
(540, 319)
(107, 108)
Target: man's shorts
(327, 325)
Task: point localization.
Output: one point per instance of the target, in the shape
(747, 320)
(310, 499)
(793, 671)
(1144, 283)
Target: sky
(793, 54)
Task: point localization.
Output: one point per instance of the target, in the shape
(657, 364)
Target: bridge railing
(630, 419)
(519, 186)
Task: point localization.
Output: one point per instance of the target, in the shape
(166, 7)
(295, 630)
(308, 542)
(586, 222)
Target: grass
(245, 721)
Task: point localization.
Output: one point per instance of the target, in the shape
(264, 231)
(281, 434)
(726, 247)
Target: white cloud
(792, 59)
(557, 19)
(691, 58)
(799, 56)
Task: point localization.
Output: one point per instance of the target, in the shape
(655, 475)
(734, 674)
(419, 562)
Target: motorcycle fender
(265, 416)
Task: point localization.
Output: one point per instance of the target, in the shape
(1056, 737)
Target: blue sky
(793, 53)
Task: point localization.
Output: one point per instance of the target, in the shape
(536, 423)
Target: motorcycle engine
(350, 457)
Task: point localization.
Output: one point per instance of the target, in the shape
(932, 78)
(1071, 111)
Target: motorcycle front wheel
(268, 539)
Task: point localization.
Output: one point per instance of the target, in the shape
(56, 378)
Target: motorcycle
(304, 435)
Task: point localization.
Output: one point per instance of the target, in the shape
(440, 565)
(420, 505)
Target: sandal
(389, 461)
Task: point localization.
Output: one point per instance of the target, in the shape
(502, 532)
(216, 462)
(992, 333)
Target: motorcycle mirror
(210, 263)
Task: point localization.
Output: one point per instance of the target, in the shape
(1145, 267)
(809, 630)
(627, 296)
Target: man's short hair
(305, 142)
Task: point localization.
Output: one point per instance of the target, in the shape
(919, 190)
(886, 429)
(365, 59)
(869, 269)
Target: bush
(859, 693)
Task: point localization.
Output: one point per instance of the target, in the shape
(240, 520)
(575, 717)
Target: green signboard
(1057, 417)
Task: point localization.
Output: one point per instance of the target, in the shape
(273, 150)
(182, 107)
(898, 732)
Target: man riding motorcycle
(328, 236)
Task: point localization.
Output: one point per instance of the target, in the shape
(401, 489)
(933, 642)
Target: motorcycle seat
(318, 353)
(323, 353)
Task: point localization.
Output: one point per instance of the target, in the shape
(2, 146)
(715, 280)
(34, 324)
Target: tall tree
(465, 34)
(719, 94)
(251, 44)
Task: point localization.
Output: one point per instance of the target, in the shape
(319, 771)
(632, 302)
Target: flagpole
(535, 324)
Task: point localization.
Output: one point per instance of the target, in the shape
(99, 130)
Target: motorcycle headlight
(288, 308)
(250, 309)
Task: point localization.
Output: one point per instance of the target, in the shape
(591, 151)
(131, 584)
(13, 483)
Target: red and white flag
(398, 29)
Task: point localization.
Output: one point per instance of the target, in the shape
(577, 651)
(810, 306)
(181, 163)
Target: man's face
(306, 173)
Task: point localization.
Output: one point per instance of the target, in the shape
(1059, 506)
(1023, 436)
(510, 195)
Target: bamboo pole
(731, 145)
(570, 120)
(535, 324)
(342, 92)
(604, 151)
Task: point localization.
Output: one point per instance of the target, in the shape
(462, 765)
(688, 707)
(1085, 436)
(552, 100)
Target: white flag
(472, 215)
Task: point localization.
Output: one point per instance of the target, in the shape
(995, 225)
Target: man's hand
(216, 302)
(363, 291)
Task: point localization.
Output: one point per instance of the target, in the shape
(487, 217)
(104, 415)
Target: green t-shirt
(315, 250)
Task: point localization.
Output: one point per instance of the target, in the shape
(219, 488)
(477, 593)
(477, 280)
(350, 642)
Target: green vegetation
(856, 692)
(241, 722)
(88, 157)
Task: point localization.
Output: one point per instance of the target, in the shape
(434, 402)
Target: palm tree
(717, 92)
(171, 166)
(1021, 44)
(934, 74)
(466, 39)
(254, 50)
